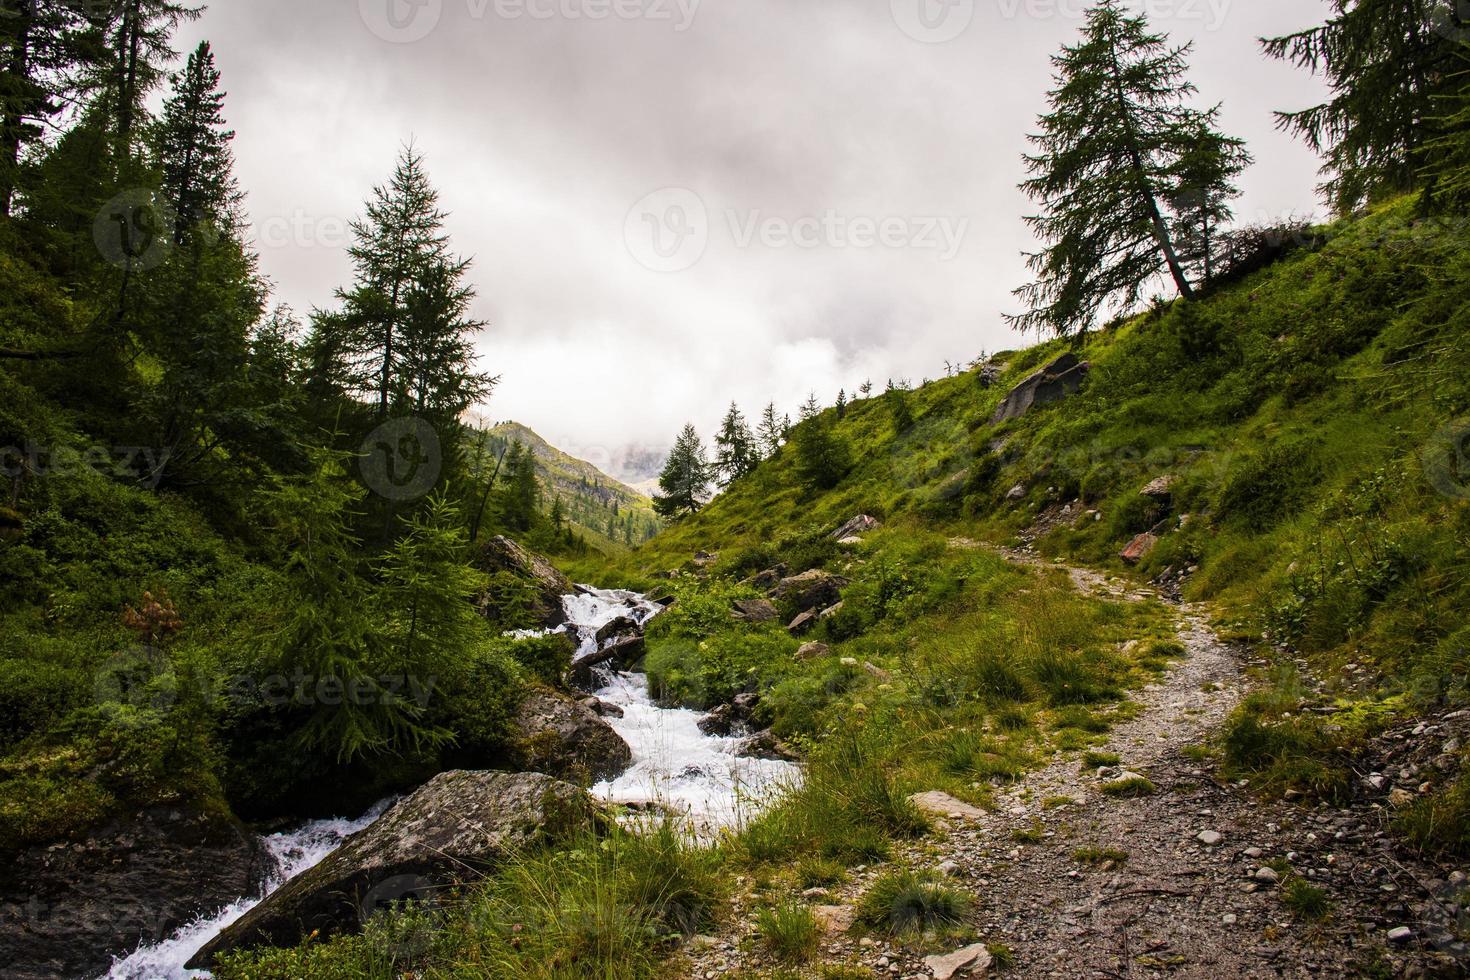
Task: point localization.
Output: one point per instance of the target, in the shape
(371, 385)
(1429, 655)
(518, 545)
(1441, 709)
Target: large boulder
(754, 611)
(815, 589)
(1059, 379)
(562, 737)
(67, 908)
(447, 831)
(1140, 547)
(501, 554)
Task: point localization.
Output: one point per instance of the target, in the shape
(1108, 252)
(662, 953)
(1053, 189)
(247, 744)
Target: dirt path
(1200, 892)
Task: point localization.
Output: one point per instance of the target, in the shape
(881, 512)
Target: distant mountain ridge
(591, 499)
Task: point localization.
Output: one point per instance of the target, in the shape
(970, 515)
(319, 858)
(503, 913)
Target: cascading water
(675, 766)
(292, 853)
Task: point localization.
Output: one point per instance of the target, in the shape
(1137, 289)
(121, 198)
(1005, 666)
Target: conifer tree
(1390, 64)
(822, 457)
(842, 403)
(520, 492)
(136, 39)
(193, 146)
(399, 241)
(735, 449)
(685, 480)
(771, 432)
(425, 590)
(43, 45)
(1108, 162)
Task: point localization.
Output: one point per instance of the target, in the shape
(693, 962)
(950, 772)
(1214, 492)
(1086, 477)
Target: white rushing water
(292, 852)
(675, 766)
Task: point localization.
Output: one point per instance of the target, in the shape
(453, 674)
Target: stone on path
(1209, 838)
(835, 919)
(972, 960)
(940, 804)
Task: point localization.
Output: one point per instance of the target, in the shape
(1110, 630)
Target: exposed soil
(1191, 899)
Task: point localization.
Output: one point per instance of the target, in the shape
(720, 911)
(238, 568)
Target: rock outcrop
(501, 554)
(813, 590)
(620, 654)
(754, 611)
(562, 737)
(448, 830)
(1059, 379)
(859, 525)
(66, 909)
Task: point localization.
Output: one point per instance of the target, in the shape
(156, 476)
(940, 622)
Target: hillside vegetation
(613, 514)
(1310, 421)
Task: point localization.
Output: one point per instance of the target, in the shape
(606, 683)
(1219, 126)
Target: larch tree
(735, 447)
(771, 432)
(685, 480)
(1389, 64)
(1108, 162)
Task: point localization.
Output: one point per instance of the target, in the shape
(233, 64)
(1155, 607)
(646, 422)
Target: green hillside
(610, 512)
(1306, 419)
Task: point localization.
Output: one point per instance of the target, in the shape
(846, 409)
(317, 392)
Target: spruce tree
(1390, 64)
(1108, 162)
(842, 403)
(520, 493)
(1202, 187)
(399, 241)
(771, 432)
(193, 146)
(735, 449)
(685, 480)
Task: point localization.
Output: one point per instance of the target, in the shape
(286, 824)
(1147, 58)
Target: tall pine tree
(772, 431)
(735, 449)
(1108, 163)
(686, 476)
(193, 147)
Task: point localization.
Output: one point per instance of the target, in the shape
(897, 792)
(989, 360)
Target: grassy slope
(1308, 415)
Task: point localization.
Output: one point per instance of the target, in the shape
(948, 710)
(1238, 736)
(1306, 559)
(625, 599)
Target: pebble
(1268, 875)
(1228, 918)
(1400, 934)
(1209, 838)
(1252, 852)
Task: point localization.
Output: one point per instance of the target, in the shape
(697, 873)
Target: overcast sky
(672, 203)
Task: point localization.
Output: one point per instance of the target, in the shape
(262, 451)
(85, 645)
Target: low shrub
(902, 902)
